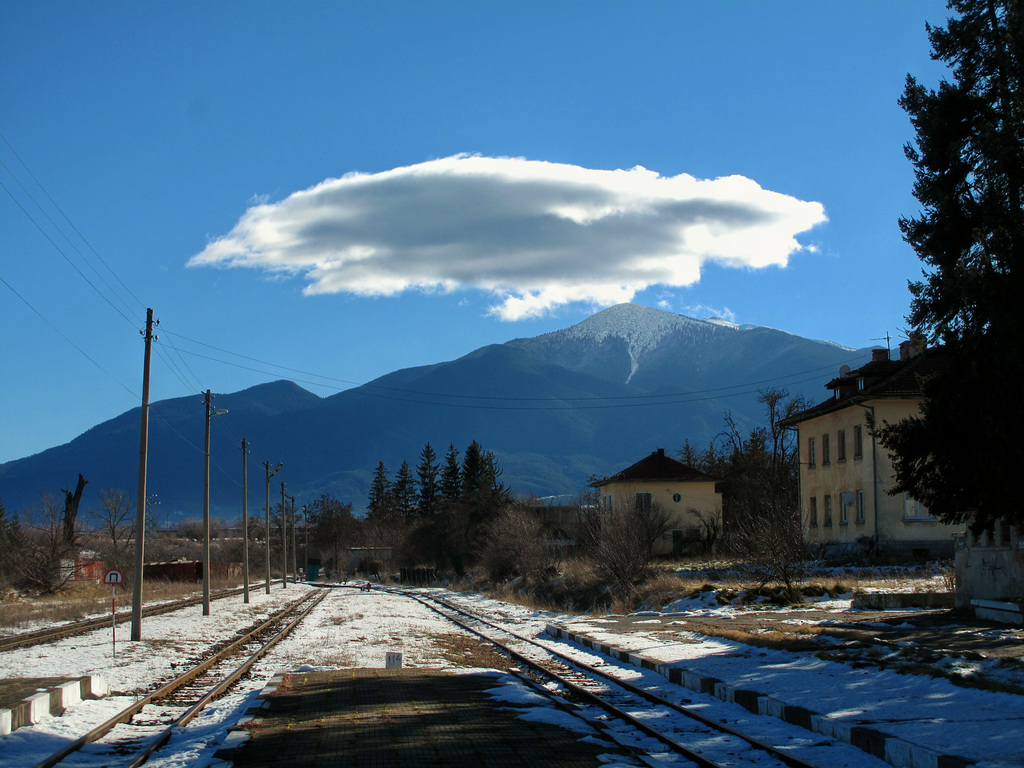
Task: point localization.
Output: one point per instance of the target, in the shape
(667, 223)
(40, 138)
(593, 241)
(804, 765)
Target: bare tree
(625, 545)
(46, 550)
(191, 529)
(513, 544)
(773, 544)
(116, 521)
(71, 501)
(335, 530)
(710, 528)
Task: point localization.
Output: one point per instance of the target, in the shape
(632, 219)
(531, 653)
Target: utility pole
(140, 514)
(206, 509)
(305, 546)
(284, 541)
(295, 560)
(266, 533)
(245, 523)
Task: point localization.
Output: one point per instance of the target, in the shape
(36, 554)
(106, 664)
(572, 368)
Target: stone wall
(990, 565)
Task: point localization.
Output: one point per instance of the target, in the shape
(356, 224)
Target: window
(814, 511)
(914, 509)
(608, 502)
(860, 507)
(841, 445)
(644, 502)
(810, 452)
(828, 509)
(858, 441)
(846, 501)
(826, 453)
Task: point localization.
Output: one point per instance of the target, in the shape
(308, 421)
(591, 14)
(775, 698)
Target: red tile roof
(657, 466)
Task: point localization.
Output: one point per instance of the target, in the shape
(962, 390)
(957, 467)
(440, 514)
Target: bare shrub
(513, 544)
(625, 544)
(772, 543)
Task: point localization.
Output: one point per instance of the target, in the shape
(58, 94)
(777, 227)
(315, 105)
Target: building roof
(882, 378)
(657, 466)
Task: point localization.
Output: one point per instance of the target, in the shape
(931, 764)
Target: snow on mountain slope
(642, 328)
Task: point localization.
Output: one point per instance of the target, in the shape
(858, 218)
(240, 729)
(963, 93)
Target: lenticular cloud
(536, 235)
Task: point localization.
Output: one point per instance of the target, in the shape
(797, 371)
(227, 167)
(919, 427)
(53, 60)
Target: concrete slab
(404, 718)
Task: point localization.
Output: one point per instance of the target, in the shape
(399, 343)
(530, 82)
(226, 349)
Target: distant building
(686, 494)
(844, 473)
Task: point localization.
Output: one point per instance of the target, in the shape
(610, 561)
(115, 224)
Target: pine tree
(381, 499)
(958, 456)
(405, 491)
(451, 477)
(427, 477)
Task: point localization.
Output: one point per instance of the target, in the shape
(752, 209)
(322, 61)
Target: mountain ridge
(554, 408)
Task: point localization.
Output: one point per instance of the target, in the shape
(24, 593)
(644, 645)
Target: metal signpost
(113, 577)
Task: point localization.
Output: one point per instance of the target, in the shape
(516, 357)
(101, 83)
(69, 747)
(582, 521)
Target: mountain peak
(642, 328)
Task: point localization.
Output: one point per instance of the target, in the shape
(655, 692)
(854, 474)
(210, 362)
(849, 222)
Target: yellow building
(687, 497)
(844, 473)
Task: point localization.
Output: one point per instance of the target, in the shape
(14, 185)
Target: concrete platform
(26, 700)
(403, 718)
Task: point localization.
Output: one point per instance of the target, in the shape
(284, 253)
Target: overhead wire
(67, 339)
(365, 389)
(66, 257)
(70, 223)
(187, 377)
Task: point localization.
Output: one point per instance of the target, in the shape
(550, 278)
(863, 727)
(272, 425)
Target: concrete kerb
(891, 749)
(52, 702)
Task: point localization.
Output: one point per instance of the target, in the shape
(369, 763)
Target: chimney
(661, 451)
(912, 347)
(879, 355)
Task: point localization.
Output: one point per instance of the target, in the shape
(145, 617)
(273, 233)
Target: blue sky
(348, 188)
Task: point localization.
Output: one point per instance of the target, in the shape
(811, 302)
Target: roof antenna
(886, 337)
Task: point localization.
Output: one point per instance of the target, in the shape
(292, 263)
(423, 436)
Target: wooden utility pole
(266, 534)
(284, 541)
(206, 513)
(295, 562)
(140, 514)
(245, 523)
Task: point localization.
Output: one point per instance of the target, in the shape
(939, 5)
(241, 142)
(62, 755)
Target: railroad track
(655, 714)
(49, 634)
(131, 736)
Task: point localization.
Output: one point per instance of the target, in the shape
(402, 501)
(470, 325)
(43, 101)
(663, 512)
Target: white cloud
(536, 235)
(704, 311)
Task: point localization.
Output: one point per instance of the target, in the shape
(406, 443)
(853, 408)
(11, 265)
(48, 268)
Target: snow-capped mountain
(555, 409)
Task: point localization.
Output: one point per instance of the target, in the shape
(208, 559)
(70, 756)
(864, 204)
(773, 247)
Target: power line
(68, 220)
(66, 258)
(64, 336)
(791, 378)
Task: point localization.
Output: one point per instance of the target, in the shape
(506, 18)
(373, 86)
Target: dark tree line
(438, 516)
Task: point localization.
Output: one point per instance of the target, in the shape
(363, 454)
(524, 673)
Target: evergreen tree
(427, 480)
(451, 477)
(472, 470)
(958, 455)
(381, 499)
(405, 491)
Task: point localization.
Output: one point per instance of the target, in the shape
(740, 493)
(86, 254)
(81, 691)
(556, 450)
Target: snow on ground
(356, 629)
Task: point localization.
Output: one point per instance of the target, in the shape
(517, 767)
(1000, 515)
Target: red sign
(113, 576)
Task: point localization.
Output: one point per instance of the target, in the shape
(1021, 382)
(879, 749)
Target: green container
(312, 572)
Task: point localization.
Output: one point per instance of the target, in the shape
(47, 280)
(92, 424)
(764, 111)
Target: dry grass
(84, 599)
(575, 587)
(462, 650)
